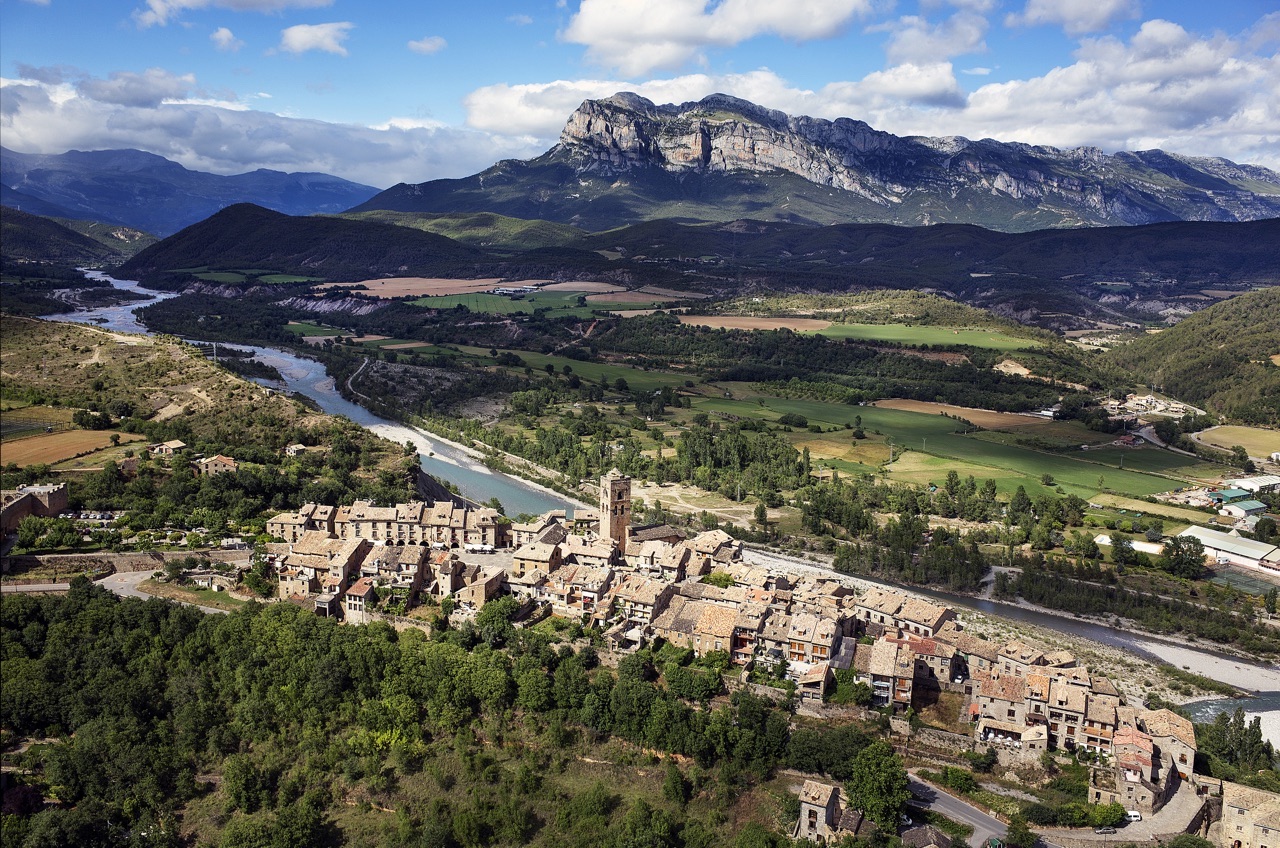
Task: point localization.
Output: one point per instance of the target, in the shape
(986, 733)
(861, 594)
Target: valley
(858, 451)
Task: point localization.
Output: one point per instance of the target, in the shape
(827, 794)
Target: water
(308, 377)
(1265, 705)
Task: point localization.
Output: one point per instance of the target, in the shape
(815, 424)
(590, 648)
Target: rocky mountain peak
(723, 134)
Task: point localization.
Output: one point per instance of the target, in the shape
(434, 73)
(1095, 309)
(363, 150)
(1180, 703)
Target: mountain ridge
(624, 158)
(151, 193)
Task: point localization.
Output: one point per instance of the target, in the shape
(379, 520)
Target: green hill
(480, 229)
(245, 236)
(31, 238)
(1219, 359)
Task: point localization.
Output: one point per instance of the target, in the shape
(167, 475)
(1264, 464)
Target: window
(1011, 713)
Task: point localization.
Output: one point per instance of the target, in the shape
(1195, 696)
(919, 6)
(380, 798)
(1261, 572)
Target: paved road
(124, 583)
(984, 826)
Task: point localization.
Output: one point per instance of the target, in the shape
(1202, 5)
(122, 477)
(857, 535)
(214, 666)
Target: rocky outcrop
(1082, 186)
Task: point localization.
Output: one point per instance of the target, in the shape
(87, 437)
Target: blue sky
(386, 91)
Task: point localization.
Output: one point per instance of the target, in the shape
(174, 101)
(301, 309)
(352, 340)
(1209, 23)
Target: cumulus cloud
(325, 37)
(636, 38)
(1076, 17)
(160, 12)
(428, 45)
(149, 88)
(224, 39)
(1163, 88)
(230, 138)
(913, 40)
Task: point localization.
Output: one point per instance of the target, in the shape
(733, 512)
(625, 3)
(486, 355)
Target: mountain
(151, 193)
(245, 236)
(32, 239)
(1219, 358)
(624, 159)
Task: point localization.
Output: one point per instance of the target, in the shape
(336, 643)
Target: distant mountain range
(151, 193)
(624, 159)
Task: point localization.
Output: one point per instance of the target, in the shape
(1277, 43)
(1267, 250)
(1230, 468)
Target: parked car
(1103, 831)
(1133, 816)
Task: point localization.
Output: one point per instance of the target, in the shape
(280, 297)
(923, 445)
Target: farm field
(741, 322)
(588, 371)
(49, 448)
(242, 275)
(309, 329)
(937, 435)
(21, 419)
(981, 417)
(558, 303)
(922, 335)
(1255, 440)
(394, 287)
(1190, 516)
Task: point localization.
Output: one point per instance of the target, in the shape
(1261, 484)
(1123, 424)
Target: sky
(389, 91)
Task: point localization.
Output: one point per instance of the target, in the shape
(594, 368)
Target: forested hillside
(1219, 359)
(272, 727)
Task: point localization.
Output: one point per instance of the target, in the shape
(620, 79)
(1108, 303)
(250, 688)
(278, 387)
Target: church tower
(615, 507)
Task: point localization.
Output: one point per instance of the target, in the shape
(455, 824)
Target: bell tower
(615, 507)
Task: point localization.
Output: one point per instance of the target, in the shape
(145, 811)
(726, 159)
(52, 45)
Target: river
(307, 376)
(473, 479)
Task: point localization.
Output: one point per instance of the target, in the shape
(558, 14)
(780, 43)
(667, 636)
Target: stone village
(636, 584)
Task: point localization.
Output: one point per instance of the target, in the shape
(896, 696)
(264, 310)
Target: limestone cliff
(627, 133)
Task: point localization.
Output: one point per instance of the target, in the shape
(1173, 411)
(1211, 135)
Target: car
(1133, 816)
(905, 820)
(1103, 831)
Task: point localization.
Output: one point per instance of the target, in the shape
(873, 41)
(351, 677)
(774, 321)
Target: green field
(590, 372)
(241, 275)
(912, 334)
(307, 328)
(1256, 440)
(558, 303)
(936, 446)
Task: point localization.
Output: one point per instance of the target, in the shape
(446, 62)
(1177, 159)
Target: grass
(1255, 440)
(557, 303)
(191, 595)
(591, 372)
(912, 334)
(1010, 465)
(1191, 516)
(49, 448)
(307, 328)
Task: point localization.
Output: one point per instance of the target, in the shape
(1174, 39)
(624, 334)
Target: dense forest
(1218, 359)
(271, 727)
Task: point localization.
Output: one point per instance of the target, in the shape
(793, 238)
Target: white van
(1133, 816)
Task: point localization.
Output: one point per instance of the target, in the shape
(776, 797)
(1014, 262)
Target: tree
(1183, 556)
(1018, 834)
(1269, 600)
(878, 785)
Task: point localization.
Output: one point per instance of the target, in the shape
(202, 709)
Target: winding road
(124, 584)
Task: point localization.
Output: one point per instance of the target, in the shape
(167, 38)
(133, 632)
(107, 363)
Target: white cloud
(914, 40)
(1164, 88)
(38, 2)
(326, 37)
(162, 11)
(428, 45)
(150, 88)
(976, 72)
(636, 38)
(224, 39)
(519, 20)
(226, 137)
(1076, 17)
